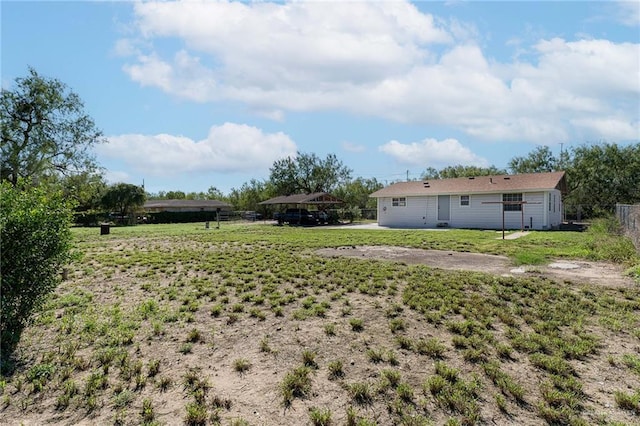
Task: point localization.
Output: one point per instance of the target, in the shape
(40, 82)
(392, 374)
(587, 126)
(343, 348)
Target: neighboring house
(156, 206)
(527, 201)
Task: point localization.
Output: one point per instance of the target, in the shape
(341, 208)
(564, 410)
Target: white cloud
(393, 62)
(116, 176)
(184, 77)
(353, 147)
(628, 12)
(432, 153)
(607, 126)
(226, 149)
(126, 47)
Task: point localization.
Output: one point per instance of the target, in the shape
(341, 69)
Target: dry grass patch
(249, 326)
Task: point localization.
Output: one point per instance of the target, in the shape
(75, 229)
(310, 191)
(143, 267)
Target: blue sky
(196, 94)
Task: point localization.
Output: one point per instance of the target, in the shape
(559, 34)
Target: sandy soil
(600, 273)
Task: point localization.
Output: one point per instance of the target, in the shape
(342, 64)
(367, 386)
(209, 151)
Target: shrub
(296, 384)
(320, 417)
(356, 324)
(335, 369)
(36, 243)
(360, 393)
(241, 365)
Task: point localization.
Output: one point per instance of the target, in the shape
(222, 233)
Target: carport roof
(315, 198)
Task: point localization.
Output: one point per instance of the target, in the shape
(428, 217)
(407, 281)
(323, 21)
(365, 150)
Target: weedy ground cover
(247, 325)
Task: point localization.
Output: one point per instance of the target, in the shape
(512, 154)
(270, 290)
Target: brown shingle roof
(480, 184)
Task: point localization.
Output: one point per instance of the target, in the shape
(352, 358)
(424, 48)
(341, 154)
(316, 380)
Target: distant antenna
(142, 183)
(407, 175)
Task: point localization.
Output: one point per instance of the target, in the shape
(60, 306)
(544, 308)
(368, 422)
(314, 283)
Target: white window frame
(512, 196)
(468, 203)
(399, 202)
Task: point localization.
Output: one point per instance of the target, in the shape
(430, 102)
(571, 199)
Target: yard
(267, 325)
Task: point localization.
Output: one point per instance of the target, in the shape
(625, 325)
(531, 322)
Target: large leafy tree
(213, 193)
(84, 189)
(307, 173)
(356, 193)
(461, 171)
(250, 194)
(45, 130)
(598, 175)
(601, 175)
(541, 159)
(123, 198)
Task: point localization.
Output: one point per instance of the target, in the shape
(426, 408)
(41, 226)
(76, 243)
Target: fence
(629, 217)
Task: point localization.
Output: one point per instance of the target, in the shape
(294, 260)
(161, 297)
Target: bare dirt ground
(254, 395)
(600, 273)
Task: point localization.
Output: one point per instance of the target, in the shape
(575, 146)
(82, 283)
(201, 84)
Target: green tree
(308, 173)
(601, 175)
(124, 198)
(84, 189)
(45, 130)
(175, 195)
(540, 160)
(36, 244)
(249, 195)
(459, 170)
(214, 193)
(356, 193)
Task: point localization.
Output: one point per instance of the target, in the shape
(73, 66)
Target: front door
(443, 207)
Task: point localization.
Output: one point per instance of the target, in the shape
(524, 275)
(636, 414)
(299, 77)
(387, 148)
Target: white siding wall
(477, 214)
(413, 215)
(534, 216)
(422, 212)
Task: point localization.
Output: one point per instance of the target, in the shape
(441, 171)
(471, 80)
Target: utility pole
(407, 175)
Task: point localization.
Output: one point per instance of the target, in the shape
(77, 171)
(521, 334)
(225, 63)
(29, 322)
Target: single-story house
(524, 201)
(156, 206)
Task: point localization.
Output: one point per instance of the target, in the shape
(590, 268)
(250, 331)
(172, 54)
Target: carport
(321, 200)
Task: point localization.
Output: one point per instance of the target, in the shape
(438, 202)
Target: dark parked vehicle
(321, 217)
(250, 215)
(296, 217)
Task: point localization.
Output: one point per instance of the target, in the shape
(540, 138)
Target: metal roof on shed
(314, 198)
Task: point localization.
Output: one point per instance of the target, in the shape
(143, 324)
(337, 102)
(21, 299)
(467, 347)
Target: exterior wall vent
(507, 178)
(426, 184)
(471, 178)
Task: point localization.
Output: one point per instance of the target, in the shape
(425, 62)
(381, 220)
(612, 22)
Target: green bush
(36, 243)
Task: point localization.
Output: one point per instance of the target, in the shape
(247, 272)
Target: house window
(549, 202)
(399, 202)
(507, 198)
(465, 200)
